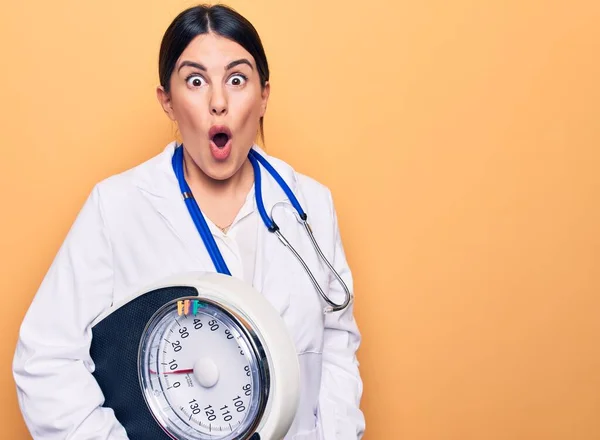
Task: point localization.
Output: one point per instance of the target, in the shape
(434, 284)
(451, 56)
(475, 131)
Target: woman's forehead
(214, 51)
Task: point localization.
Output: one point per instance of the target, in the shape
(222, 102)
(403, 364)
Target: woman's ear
(165, 101)
(266, 91)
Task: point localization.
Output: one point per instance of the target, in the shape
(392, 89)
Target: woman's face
(217, 101)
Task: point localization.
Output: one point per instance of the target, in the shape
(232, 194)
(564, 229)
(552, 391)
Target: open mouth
(220, 135)
(220, 139)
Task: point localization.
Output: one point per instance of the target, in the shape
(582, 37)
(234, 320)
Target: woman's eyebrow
(238, 62)
(191, 64)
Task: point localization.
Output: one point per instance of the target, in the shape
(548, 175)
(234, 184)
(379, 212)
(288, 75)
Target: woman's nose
(218, 103)
(218, 110)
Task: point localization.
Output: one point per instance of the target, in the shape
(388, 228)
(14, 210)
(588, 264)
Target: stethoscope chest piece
(214, 360)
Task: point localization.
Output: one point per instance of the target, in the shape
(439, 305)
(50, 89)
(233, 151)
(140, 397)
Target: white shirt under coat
(133, 230)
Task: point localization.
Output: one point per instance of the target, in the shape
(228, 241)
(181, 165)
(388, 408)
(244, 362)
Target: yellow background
(460, 140)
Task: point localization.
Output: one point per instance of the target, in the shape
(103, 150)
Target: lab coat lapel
(159, 186)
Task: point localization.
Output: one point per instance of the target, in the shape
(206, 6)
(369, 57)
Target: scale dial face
(202, 371)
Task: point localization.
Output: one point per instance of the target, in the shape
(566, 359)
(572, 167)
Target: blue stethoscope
(211, 245)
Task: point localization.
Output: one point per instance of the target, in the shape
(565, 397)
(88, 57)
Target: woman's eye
(195, 81)
(237, 80)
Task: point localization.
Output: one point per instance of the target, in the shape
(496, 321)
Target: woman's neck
(238, 183)
(219, 200)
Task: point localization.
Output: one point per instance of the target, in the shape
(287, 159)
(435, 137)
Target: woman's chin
(222, 171)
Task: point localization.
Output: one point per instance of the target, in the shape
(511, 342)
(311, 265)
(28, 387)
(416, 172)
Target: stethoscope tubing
(212, 248)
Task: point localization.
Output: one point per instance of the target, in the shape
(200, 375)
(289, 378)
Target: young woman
(135, 229)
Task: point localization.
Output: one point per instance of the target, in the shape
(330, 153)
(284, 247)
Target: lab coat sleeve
(58, 396)
(341, 386)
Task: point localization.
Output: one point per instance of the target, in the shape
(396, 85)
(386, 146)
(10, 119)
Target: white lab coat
(133, 230)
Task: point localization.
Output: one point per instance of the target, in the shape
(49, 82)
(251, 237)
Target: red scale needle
(189, 370)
